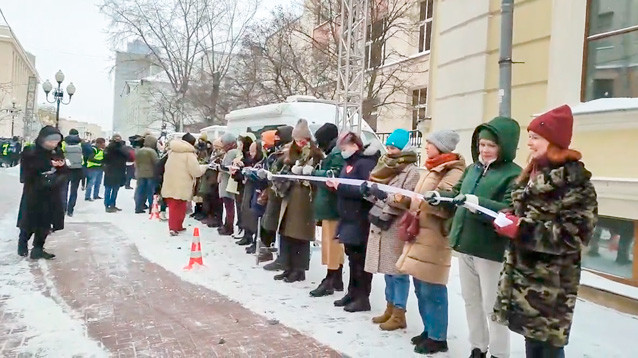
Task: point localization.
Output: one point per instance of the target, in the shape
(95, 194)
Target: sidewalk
(138, 309)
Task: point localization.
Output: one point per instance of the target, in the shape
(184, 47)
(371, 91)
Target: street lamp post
(13, 110)
(58, 94)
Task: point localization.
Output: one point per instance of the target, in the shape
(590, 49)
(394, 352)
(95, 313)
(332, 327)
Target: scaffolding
(351, 68)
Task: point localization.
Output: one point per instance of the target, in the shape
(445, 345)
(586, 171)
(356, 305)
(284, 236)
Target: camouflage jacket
(539, 283)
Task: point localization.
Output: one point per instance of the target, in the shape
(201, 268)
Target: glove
(378, 193)
(330, 174)
(461, 199)
(364, 189)
(262, 173)
(308, 169)
(509, 231)
(432, 197)
(297, 170)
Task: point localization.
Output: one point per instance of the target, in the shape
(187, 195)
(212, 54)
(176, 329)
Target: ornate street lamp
(58, 94)
(13, 110)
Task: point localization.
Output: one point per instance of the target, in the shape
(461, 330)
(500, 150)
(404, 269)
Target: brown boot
(385, 316)
(397, 321)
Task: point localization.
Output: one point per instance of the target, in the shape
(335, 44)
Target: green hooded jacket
(326, 200)
(473, 233)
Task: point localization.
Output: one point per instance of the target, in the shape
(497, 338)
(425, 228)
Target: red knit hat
(556, 126)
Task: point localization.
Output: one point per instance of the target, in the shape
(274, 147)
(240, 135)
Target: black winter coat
(115, 157)
(41, 203)
(354, 226)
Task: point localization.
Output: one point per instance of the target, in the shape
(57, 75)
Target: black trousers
(538, 349)
(268, 237)
(40, 236)
(360, 283)
(213, 205)
(295, 253)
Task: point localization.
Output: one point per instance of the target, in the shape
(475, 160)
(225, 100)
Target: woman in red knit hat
(554, 214)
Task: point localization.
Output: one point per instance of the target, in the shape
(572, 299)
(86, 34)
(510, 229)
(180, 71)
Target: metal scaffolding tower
(351, 68)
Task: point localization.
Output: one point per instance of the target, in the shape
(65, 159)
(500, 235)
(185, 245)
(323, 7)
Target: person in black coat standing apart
(115, 157)
(43, 172)
(354, 226)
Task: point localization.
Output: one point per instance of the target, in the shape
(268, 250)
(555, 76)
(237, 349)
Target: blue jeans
(538, 349)
(397, 289)
(144, 193)
(75, 177)
(94, 176)
(110, 196)
(433, 308)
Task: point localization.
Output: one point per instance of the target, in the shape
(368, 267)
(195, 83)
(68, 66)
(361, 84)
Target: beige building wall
(16, 66)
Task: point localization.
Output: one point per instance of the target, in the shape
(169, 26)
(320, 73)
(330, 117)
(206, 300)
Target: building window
(611, 50)
(425, 25)
(375, 43)
(419, 106)
(610, 250)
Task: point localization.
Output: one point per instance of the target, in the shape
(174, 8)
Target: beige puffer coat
(182, 169)
(428, 258)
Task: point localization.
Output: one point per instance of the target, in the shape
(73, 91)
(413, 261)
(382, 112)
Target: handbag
(409, 226)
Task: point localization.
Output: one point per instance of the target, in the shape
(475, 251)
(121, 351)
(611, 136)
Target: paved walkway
(137, 309)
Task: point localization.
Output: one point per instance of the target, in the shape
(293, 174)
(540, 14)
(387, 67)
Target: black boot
(295, 275)
(345, 300)
(283, 275)
(476, 353)
(325, 288)
(252, 249)
(23, 248)
(420, 338)
(337, 279)
(39, 253)
(276, 265)
(225, 230)
(360, 303)
(430, 346)
(246, 240)
(265, 256)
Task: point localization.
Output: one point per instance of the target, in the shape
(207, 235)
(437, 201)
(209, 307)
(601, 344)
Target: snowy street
(117, 288)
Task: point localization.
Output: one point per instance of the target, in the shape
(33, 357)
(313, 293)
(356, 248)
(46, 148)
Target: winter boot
(385, 316)
(325, 288)
(337, 279)
(358, 304)
(39, 253)
(283, 275)
(225, 230)
(265, 257)
(23, 248)
(275, 265)
(252, 249)
(430, 346)
(396, 321)
(476, 353)
(420, 338)
(246, 240)
(295, 275)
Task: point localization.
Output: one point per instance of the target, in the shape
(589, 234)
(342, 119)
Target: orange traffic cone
(155, 208)
(196, 251)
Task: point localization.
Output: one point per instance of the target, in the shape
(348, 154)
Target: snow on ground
(52, 328)
(231, 272)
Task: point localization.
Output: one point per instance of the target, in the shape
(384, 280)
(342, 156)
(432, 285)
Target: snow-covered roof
(606, 105)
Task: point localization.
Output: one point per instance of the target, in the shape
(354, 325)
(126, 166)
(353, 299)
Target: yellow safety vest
(99, 155)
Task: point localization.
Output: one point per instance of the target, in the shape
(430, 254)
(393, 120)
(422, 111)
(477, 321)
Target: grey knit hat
(301, 130)
(228, 138)
(445, 140)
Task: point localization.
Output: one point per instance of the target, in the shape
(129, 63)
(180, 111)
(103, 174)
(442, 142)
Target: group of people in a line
(283, 183)
(10, 149)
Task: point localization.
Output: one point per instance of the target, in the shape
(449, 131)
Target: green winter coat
(539, 283)
(472, 233)
(326, 200)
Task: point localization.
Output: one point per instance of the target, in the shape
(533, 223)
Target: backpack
(74, 155)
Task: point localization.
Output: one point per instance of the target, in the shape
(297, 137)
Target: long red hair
(553, 156)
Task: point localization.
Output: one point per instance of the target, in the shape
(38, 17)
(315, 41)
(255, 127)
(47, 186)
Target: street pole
(57, 111)
(505, 58)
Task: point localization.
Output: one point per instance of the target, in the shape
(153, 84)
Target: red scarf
(432, 163)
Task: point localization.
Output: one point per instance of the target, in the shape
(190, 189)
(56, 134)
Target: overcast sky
(70, 35)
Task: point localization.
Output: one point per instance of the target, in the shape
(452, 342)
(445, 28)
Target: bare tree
(190, 40)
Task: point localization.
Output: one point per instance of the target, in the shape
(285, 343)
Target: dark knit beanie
(190, 139)
(326, 134)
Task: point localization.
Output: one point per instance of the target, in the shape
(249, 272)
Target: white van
(213, 132)
(317, 112)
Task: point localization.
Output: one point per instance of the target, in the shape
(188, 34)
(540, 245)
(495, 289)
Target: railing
(416, 138)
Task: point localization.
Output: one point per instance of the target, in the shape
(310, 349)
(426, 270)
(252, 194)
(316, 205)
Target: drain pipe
(505, 59)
